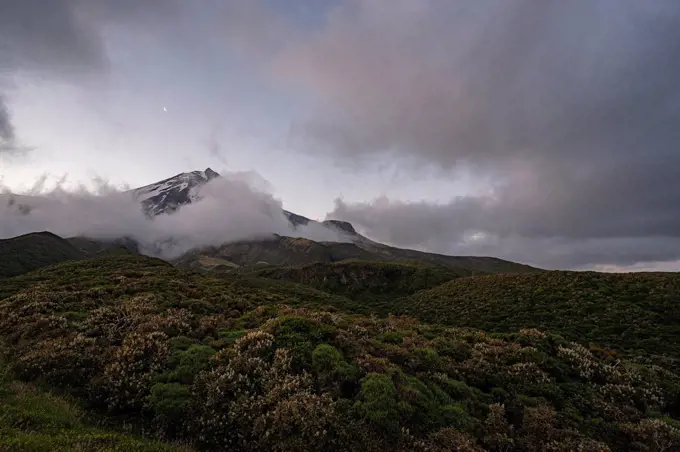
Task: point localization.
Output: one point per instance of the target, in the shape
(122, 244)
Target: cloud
(63, 40)
(232, 208)
(6, 128)
(571, 107)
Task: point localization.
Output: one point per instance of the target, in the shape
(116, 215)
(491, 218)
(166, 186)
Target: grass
(32, 419)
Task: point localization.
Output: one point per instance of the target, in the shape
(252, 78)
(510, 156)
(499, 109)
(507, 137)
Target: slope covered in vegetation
(29, 252)
(33, 420)
(293, 251)
(230, 364)
(369, 282)
(639, 312)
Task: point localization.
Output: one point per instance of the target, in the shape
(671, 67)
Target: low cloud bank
(231, 209)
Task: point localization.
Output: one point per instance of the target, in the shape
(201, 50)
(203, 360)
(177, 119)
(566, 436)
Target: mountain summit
(170, 194)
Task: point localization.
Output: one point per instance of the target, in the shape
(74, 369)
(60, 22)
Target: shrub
(379, 404)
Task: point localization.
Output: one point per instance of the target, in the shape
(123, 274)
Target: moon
(165, 109)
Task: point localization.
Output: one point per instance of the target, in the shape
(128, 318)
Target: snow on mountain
(166, 196)
(170, 194)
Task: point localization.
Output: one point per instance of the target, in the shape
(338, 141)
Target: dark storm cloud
(63, 39)
(572, 107)
(47, 34)
(65, 36)
(6, 127)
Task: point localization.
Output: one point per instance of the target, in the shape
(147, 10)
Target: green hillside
(374, 285)
(634, 311)
(292, 251)
(240, 362)
(32, 251)
(473, 264)
(95, 247)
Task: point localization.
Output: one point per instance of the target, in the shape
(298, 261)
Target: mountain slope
(168, 195)
(29, 252)
(633, 311)
(292, 251)
(372, 286)
(92, 248)
(278, 250)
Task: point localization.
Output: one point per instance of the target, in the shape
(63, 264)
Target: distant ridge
(32, 251)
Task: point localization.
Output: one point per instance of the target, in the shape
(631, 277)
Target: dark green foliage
(638, 312)
(379, 403)
(246, 363)
(184, 365)
(280, 250)
(169, 401)
(29, 252)
(35, 420)
(330, 367)
(301, 336)
(366, 280)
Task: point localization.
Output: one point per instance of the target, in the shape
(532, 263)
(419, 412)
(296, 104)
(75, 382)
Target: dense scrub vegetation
(291, 251)
(366, 280)
(254, 364)
(29, 252)
(638, 312)
(32, 419)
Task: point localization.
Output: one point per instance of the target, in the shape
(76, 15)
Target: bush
(168, 401)
(379, 404)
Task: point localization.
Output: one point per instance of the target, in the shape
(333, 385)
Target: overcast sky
(541, 131)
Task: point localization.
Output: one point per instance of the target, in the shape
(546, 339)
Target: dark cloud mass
(62, 39)
(573, 107)
(6, 127)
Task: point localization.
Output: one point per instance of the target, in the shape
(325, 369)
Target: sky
(541, 131)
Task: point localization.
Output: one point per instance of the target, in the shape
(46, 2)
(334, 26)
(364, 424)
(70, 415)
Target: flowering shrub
(211, 362)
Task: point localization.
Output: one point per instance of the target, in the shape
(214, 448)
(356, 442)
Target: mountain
(29, 252)
(92, 248)
(170, 194)
(291, 251)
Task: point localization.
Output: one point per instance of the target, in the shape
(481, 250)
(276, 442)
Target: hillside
(278, 250)
(474, 264)
(246, 363)
(372, 285)
(91, 247)
(32, 251)
(634, 311)
(292, 251)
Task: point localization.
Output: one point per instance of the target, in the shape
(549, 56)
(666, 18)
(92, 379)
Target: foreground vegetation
(32, 419)
(244, 363)
(637, 312)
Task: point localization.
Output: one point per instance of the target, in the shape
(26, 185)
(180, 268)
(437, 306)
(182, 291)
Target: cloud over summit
(571, 107)
(232, 208)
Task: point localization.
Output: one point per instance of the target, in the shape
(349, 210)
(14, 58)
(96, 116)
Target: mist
(232, 208)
